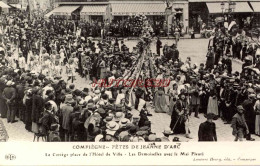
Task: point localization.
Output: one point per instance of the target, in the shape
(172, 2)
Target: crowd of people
(128, 27)
(40, 61)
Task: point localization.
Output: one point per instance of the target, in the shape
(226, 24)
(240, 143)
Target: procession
(70, 81)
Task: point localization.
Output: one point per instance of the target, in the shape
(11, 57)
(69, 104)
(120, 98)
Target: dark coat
(249, 115)
(37, 108)
(3, 106)
(177, 121)
(207, 131)
(158, 47)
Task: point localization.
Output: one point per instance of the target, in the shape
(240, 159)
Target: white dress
(21, 62)
(257, 118)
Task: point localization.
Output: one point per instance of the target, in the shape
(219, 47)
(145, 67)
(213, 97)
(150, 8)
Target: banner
(118, 153)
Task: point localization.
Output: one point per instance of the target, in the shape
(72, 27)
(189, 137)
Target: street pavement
(194, 48)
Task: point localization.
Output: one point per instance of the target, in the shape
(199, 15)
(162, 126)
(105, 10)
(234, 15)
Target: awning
(49, 14)
(256, 6)
(241, 7)
(138, 8)
(18, 6)
(62, 10)
(94, 10)
(3, 5)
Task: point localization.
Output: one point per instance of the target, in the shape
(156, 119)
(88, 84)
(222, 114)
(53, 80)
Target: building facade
(192, 13)
(213, 12)
(119, 10)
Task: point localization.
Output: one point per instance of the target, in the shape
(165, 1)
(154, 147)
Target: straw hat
(108, 119)
(123, 122)
(112, 125)
(167, 131)
(119, 116)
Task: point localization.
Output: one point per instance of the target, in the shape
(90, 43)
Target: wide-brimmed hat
(119, 116)
(97, 92)
(101, 111)
(112, 126)
(123, 122)
(108, 119)
(167, 131)
(91, 106)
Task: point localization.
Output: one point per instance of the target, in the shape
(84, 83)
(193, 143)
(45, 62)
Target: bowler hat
(176, 139)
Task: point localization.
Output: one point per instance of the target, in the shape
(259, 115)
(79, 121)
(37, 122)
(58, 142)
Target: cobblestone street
(196, 49)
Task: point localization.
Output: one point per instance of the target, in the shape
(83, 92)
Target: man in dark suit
(207, 130)
(250, 115)
(175, 53)
(158, 46)
(139, 94)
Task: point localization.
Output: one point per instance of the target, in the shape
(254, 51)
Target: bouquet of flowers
(144, 28)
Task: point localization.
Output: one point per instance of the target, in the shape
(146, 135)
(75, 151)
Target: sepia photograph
(129, 71)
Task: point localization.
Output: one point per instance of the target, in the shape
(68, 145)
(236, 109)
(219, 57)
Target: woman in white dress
(257, 119)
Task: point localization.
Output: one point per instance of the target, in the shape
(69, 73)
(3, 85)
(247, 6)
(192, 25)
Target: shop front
(4, 8)
(65, 12)
(180, 15)
(154, 11)
(239, 12)
(256, 14)
(216, 13)
(97, 13)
